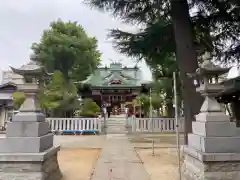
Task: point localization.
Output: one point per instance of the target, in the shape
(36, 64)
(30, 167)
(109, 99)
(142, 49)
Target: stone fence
(75, 124)
(133, 124)
(154, 125)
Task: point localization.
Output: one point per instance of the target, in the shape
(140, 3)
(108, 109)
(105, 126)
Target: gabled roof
(6, 91)
(8, 84)
(102, 77)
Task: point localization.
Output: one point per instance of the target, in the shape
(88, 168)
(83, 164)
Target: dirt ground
(77, 164)
(164, 165)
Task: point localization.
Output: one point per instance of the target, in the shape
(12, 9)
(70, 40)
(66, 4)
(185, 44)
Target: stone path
(116, 124)
(119, 161)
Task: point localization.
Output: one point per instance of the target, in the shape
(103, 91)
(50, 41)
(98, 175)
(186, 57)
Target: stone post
(213, 150)
(27, 152)
(128, 124)
(104, 124)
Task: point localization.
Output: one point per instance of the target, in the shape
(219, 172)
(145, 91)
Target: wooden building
(114, 85)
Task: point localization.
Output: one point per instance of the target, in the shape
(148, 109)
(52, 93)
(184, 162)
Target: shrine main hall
(114, 85)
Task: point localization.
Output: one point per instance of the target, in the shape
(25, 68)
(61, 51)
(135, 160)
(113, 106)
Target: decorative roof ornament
(116, 66)
(34, 75)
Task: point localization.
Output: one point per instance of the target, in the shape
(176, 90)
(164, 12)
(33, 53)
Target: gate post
(128, 124)
(104, 125)
(133, 123)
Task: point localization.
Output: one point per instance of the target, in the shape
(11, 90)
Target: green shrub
(89, 108)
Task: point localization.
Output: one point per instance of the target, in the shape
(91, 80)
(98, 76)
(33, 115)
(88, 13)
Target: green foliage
(59, 94)
(89, 108)
(18, 99)
(214, 23)
(143, 101)
(71, 55)
(157, 101)
(66, 47)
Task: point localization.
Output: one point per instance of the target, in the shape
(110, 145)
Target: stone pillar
(27, 152)
(213, 151)
(104, 124)
(128, 124)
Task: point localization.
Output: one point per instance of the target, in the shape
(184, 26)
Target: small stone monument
(27, 152)
(213, 150)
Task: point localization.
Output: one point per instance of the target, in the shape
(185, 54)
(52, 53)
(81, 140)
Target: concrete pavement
(119, 161)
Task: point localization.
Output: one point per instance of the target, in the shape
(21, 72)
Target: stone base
(214, 129)
(26, 144)
(28, 117)
(214, 144)
(219, 166)
(27, 129)
(30, 166)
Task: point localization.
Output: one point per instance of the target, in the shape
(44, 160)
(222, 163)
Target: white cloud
(22, 23)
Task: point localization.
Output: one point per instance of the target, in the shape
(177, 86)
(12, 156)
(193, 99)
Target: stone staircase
(116, 125)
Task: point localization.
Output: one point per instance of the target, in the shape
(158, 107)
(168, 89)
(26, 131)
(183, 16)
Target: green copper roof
(103, 77)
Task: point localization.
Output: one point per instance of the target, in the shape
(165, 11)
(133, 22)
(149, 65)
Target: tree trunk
(186, 59)
(169, 104)
(170, 110)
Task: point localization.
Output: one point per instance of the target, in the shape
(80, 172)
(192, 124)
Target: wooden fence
(61, 124)
(156, 125)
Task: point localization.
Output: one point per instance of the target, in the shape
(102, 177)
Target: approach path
(119, 161)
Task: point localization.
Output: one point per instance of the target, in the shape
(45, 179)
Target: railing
(61, 124)
(156, 125)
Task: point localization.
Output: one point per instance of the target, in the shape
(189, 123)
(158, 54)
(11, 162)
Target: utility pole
(177, 125)
(151, 119)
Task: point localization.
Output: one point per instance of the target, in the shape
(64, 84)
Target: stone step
(112, 127)
(116, 124)
(117, 129)
(113, 132)
(116, 121)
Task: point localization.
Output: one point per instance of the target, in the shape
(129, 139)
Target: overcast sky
(22, 23)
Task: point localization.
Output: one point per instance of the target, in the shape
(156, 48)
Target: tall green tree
(59, 96)
(148, 12)
(66, 47)
(210, 25)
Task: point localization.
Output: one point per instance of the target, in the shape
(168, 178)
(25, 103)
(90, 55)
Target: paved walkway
(119, 161)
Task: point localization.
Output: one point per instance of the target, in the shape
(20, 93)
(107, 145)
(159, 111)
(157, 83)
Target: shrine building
(114, 85)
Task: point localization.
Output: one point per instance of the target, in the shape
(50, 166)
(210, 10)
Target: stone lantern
(213, 150)
(28, 146)
(33, 75)
(208, 77)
